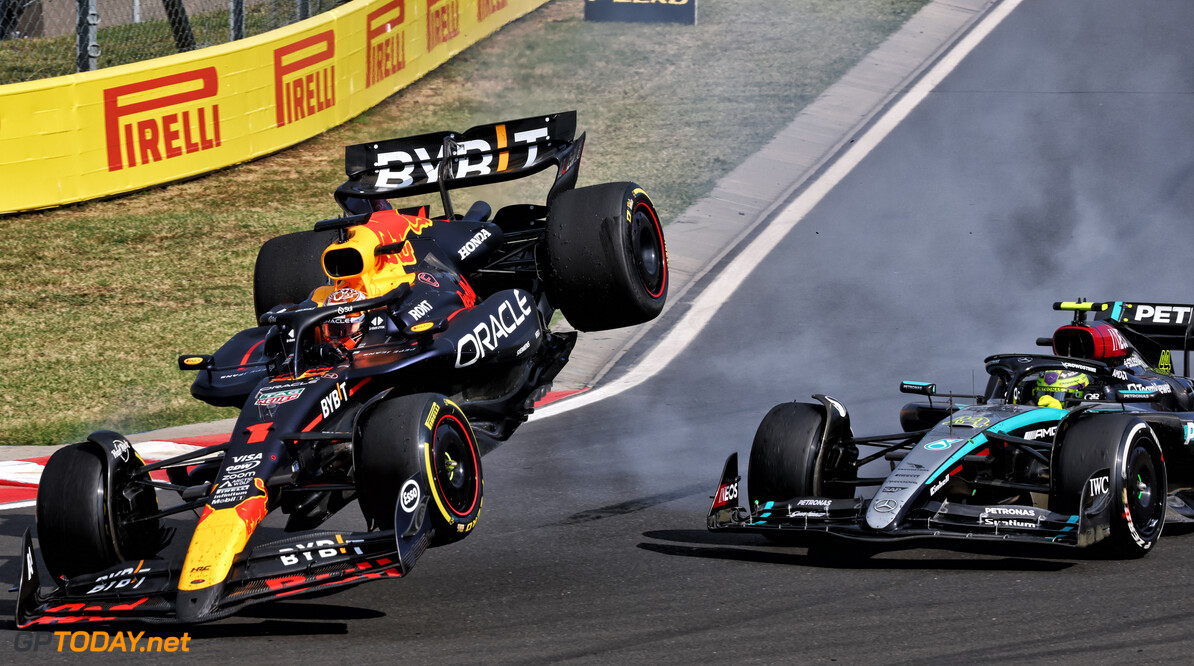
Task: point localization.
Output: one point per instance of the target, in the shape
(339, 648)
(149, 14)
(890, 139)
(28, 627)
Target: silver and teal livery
(1005, 465)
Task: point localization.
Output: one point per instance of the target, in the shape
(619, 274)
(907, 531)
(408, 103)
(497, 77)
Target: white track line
(28, 472)
(708, 303)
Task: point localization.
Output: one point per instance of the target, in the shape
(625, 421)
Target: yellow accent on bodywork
(216, 543)
(219, 537)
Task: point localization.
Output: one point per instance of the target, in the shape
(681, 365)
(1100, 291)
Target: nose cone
(196, 605)
(883, 511)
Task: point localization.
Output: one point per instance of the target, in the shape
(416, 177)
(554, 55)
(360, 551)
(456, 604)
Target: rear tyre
(289, 268)
(81, 528)
(424, 432)
(604, 261)
(1127, 449)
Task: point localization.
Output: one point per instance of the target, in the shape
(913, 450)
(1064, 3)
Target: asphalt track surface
(1052, 164)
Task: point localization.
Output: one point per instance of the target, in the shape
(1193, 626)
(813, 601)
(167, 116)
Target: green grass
(99, 299)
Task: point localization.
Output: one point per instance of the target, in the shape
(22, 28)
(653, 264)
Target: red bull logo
(305, 77)
(389, 227)
(161, 118)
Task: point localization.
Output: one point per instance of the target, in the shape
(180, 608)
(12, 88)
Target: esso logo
(408, 498)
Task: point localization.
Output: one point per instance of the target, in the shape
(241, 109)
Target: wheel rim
(1143, 504)
(454, 465)
(646, 247)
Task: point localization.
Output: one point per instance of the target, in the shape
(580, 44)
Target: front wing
(846, 519)
(147, 590)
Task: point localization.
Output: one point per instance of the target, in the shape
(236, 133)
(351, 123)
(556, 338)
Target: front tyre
(83, 527)
(788, 457)
(604, 260)
(422, 433)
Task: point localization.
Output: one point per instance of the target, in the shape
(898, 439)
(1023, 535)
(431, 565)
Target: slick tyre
(1126, 450)
(289, 268)
(603, 258)
(401, 437)
(785, 454)
(79, 525)
(1138, 508)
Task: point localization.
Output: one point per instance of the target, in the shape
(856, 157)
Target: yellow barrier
(80, 137)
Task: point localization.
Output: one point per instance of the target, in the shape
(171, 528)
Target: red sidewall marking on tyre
(662, 252)
(472, 450)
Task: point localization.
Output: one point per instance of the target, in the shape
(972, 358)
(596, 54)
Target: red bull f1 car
(393, 348)
(1090, 445)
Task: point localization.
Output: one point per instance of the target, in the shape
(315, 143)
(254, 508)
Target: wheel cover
(1143, 505)
(646, 248)
(454, 465)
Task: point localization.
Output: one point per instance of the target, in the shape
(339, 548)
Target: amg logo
(1043, 432)
(159, 119)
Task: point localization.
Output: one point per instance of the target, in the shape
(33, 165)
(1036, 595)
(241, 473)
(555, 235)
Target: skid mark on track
(631, 506)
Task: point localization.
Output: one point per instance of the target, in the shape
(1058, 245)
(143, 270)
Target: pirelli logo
(385, 42)
(161, 118)
(305, 77)
(487, 8)
(443, 21)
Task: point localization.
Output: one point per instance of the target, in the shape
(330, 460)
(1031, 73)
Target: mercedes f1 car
(1089, 446)
(393, 349)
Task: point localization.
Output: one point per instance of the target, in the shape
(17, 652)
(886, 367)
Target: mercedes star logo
(885, 505)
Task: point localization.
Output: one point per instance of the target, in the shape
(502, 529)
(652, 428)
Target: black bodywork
(470, 331)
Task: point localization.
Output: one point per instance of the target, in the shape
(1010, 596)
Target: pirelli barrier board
(85, 136)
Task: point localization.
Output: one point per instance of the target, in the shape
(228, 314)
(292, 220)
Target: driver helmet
(344, 329)
(1053, 386)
